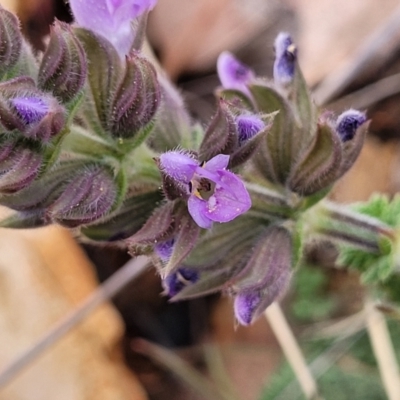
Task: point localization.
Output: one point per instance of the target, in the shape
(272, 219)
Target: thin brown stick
(369, 95)
(383, 351)
(385, 40)
(292, 350)
(130, 271)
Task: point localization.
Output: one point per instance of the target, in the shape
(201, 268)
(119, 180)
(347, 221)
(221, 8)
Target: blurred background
(350, 55)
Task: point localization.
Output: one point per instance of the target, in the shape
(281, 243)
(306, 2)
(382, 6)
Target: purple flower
(348, 123)
(214, 193)
(111, 18)
(176, 281)
(248, 126)
(233, 74)
(285, 59)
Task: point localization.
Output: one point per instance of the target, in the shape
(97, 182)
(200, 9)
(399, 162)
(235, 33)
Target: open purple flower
(215, 194)
(111, 18)
(233, 74)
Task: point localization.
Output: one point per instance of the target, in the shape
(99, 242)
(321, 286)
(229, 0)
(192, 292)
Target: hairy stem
(339, 223)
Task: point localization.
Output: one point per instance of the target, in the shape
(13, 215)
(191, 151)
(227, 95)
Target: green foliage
(380, 207)
(340, 382)
(310, 301)
(375, 267)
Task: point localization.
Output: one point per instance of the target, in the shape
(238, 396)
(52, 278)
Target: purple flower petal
(233, 74)
(198, 209)
(244, 306)
(248, 126)
(348, 123)
(178, 165)
(218, 162)
(285, 59)
(111, 18)
(176, 281)
(230, 199)
(164, 249)
(30, 109)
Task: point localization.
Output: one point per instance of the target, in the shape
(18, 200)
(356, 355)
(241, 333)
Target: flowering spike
(136, 100)
(215, 195)
(10, 41)
(90, 194)
(285, 59)
(348, 123)
(64, 67)
(111, 18)
(233, 74)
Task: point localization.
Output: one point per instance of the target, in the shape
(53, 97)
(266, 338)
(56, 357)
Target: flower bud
(136, 99)
(10, 41)
(34, 114)
(285, 59)
(164, 249)
(265, 276)
(136, 209)
(348, 123)
(233, 74)
(64, 67)
(248, 126)
(221, 136)
(19, 168)
(178, 280)
(90, 194)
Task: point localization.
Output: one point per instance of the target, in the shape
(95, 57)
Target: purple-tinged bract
(111, 19)
(348, 123)
(215, 194)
